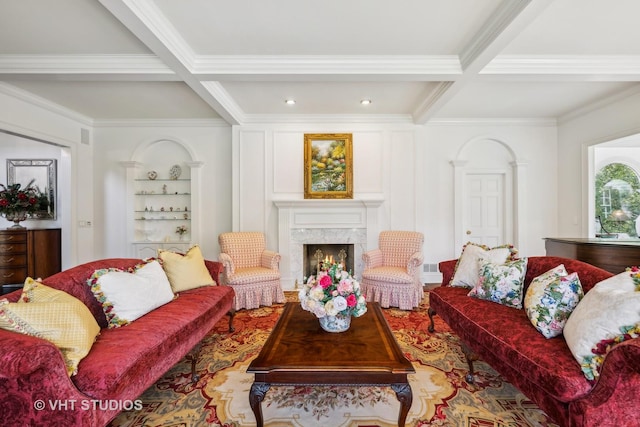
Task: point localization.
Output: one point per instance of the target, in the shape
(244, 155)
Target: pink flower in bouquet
(351, 300)
(325, 281)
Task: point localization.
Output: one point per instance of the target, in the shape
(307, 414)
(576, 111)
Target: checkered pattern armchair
(391, 274)
(250, 269)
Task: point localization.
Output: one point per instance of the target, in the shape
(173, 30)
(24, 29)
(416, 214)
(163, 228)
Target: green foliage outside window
(617, 187)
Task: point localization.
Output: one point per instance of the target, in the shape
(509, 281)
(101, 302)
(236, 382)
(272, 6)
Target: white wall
(211, 144)
(408, 166)
(614, 120)
(33, 117)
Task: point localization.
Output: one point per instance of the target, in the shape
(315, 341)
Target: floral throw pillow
(607, 315)
(550, 300)
(501, 283)
(466, 270)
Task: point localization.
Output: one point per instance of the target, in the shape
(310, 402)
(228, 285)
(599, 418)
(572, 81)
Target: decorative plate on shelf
(152, 175)
(175, 171)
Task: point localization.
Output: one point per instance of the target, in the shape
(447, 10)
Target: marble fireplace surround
(324, 221)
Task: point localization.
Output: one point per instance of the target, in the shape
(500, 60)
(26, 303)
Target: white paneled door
(484, 209)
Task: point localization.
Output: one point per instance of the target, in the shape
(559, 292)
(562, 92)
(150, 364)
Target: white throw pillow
(466, 274)
(127, 296)
(608, 314)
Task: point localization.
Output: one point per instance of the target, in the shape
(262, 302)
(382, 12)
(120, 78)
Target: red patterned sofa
(543, 369)
(122, 363)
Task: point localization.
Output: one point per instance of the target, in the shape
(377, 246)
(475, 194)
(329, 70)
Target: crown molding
(83, 64)
(601, 103)
(605, 66)
(420, 67)
(45, 104)
(113, 123)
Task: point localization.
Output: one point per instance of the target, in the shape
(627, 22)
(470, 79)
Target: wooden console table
(612, 255)
(28, 253)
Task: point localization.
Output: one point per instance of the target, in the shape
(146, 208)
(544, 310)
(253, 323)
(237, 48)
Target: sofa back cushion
(588, 274)
(74, 282)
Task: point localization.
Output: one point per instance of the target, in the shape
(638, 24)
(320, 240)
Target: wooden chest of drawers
(29, 253)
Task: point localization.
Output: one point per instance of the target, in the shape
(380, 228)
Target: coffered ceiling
(239, 60)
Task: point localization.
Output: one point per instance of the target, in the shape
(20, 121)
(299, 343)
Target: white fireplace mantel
(318, 221)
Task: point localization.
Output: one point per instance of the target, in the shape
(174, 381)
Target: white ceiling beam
(86, 68)
(509, 19)
(564, 67)
(148, 24)
(327, 68)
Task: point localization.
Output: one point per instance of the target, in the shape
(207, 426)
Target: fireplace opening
(326, 254)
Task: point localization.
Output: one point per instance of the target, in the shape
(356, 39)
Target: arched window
(617, 201)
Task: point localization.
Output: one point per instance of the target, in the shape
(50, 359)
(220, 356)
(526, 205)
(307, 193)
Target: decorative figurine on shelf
(186, 216)
(152, 175)
(164, 189)
(186, 209)
(162, 209)
(175, 171)
(171, 208)
(146, 209)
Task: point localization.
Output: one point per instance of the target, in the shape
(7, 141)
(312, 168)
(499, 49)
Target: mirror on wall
(43, 173)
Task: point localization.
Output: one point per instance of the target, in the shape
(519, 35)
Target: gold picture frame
(328, 166)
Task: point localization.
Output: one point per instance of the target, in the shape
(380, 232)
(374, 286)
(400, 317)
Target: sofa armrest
(415, 261)
(447, 268)
(372, 258)
(33, 372)
(215, 269)
(227, 264)
(613, 400)
(270, 260)
(22, 354)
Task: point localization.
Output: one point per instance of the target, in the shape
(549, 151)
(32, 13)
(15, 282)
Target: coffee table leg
(258, 390)
(405, 397)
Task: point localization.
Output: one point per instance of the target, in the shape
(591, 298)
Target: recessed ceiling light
(365, 102)
(290, 101)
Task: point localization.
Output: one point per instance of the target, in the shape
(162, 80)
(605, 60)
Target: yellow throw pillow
(55, 316)
(186, 271)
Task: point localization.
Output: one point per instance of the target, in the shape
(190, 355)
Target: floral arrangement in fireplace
(333, 292)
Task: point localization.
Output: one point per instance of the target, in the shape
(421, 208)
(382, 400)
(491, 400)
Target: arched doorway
(488, 179)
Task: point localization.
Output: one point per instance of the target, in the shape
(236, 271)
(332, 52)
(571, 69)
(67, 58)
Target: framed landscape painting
(328, 166)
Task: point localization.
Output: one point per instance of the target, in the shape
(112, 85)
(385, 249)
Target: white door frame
(515, 197)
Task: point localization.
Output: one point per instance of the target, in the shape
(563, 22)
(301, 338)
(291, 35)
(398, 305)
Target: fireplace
(327, 254)
(324, 222)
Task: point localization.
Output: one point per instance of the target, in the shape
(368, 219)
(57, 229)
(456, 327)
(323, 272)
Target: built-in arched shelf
(163, 181)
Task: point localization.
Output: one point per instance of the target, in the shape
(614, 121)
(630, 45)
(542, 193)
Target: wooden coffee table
(299, 352)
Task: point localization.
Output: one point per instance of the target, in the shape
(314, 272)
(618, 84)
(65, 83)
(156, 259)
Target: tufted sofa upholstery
(391, 274)
(250, 269)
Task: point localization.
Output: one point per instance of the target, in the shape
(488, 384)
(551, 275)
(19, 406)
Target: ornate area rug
(441, 397)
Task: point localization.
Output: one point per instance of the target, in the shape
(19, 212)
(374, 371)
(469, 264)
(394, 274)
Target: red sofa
(543, 369)
(123, 362)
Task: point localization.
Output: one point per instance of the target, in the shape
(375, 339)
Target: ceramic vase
(339, 323)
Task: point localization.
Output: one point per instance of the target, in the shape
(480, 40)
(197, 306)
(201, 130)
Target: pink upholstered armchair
(391, 273)
(250, 269)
